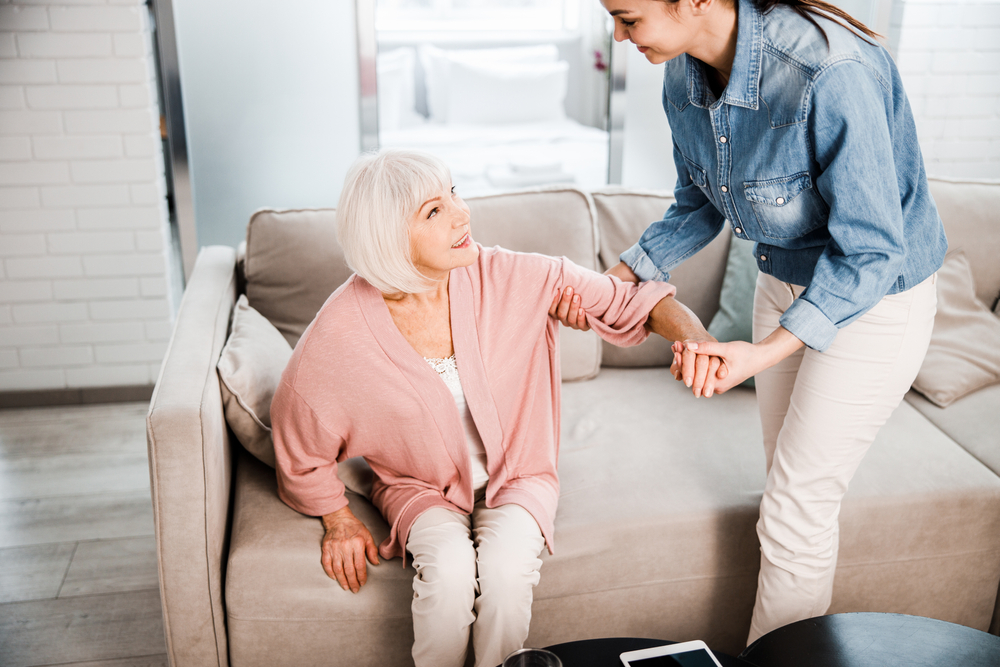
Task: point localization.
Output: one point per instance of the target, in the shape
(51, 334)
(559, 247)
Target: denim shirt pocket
(697, 174)
(787, 207)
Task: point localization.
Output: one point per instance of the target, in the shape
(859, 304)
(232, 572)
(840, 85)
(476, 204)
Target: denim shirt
(812, 152)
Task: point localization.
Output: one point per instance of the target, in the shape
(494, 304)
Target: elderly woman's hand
(345, 545)
(566, 305)
(566, 308)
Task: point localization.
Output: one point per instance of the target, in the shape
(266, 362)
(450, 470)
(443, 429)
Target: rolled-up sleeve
(616, 310)
(851, 120)
(690, 223)
(306, 453)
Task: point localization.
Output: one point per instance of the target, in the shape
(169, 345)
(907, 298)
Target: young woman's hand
(741, 359)
(345, 545)
(701, 372)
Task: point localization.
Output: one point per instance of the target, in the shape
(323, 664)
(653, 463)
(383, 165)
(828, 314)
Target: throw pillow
(250, 369)
(964, 354)
(734, 319)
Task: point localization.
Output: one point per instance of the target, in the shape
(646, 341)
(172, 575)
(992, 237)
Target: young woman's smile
(705, 29)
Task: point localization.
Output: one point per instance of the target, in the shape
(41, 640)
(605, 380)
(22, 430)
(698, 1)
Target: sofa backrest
(622, 216)
(971, 215)
(293, 261)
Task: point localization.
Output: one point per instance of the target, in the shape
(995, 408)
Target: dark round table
(874, 640)
(606, 652)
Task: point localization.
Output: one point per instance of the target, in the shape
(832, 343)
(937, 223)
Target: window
(476, 15)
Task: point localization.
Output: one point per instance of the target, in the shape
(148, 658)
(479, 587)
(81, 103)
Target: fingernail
(692, 346)
(569, 290)
(576, 298)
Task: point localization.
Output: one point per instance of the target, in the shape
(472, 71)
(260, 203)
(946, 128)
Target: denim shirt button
(779, 201)
(738, 230)
(763, 258)
(724, 188)
(723, 140)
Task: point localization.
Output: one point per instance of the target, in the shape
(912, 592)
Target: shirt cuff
(809, 324)
(642, 266)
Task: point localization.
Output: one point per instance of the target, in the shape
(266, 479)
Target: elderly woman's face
(440, 236)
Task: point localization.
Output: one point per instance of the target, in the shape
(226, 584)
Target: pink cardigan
(355, 387)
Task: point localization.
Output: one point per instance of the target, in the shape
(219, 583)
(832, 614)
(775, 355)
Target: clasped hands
(705, 365)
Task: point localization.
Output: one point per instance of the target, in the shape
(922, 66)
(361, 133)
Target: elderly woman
(437, 362)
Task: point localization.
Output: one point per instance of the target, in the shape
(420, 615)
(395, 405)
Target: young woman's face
(440, 236)
(661, 30)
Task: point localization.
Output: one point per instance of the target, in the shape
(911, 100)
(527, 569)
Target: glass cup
(532, 657)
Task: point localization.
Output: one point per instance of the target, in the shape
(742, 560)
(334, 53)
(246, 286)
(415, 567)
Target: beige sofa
(655, 530)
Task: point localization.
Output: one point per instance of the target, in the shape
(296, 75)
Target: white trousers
(820, 411)
(476, 571)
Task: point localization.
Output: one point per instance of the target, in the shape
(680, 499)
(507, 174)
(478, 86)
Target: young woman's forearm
(780, 344)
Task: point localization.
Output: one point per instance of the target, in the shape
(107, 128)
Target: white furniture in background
(496, 116)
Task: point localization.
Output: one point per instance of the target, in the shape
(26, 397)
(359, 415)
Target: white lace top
(448, 370)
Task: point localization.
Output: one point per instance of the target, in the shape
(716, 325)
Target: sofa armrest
(190, 466)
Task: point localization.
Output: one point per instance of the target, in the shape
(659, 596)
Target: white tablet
(685, 654)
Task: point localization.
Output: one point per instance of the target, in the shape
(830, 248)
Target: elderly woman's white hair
(381, 192)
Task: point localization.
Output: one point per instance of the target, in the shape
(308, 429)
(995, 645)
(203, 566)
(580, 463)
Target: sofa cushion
(622, 216)
(250, 369)
(654, 535)
(972, 421)
(964, 352)
(293, 261)
(967, 209)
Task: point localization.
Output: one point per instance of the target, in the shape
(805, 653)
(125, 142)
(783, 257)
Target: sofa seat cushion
(972, 421)
(655, 535)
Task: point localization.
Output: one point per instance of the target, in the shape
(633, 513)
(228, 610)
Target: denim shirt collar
(744, 80)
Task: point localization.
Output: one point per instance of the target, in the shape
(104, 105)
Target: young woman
(437, 362)
(791, 128)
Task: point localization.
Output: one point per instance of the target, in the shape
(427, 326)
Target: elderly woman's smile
(440, 237)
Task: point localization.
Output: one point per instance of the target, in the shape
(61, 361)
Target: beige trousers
(820, 411)
(476, 571)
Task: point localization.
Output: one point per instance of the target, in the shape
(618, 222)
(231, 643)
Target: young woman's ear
(701, 7)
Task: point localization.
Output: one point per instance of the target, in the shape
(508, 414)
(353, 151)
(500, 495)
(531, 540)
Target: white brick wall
(84, 296)
(948, 53)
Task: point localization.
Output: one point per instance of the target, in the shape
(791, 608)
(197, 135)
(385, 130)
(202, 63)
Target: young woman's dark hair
(820, 8)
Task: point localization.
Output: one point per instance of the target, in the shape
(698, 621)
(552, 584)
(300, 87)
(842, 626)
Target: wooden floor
(78, 581)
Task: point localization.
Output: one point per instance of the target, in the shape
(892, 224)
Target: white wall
(83, 225)
(949, 57)
(648, 151)
(270, 96)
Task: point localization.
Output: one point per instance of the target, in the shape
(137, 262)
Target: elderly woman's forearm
(674, 321)
(623, 272)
